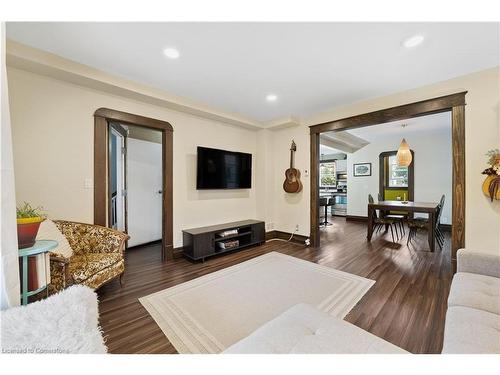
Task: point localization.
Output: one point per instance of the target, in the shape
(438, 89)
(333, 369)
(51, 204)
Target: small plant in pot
(28, 222)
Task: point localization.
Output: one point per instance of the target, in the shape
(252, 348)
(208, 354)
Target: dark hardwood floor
(406, 306)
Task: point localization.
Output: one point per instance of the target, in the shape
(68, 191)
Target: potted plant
(491, 186)
(28, 222)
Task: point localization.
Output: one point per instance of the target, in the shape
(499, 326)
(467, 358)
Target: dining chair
(423, 223)
(398, 218)
(380, 222)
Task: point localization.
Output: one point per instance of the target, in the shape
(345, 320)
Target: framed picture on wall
(362, 169)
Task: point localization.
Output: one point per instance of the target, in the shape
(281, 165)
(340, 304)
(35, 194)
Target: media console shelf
(201, 243)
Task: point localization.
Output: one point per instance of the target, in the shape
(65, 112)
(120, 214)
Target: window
(327, 174)
(397, 176)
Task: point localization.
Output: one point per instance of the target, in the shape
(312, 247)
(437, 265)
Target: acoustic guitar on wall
(292, 182)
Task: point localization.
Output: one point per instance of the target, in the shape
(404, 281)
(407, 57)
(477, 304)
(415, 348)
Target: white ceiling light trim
(171, 53)
(271, 98)
(413, 41)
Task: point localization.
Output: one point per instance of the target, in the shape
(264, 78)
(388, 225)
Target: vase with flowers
(491, 185)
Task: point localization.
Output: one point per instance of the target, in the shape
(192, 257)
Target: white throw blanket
(63, 323)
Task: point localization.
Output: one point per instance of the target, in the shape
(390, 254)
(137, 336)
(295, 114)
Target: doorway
(133, 177)
(135, 182)
(455, 104)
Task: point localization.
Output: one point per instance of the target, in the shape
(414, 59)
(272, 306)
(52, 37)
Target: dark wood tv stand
(201, 243)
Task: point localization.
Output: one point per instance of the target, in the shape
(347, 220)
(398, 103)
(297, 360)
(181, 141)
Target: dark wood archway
(455, 104)
(102, 118)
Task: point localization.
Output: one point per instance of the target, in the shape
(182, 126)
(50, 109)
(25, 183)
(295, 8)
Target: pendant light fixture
(403, 157)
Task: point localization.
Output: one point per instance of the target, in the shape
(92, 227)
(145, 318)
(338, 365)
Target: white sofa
(66, 322)
(473, 316)
(303, 329)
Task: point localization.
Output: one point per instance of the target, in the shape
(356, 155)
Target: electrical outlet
(270, 226)
(88, 183)
(297, 228)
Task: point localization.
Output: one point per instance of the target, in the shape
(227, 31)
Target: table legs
(370, 223)
(431, 232)
(24, 296)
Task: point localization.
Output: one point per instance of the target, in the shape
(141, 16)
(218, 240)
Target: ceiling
(326, 150)
(311, 67)
(430, 125)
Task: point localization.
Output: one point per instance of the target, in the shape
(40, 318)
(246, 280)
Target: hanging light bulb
(403, 157)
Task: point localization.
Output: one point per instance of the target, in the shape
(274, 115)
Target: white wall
(482, 117)
(53, 130)
(53, 141)
(433, 171)
(289, 209)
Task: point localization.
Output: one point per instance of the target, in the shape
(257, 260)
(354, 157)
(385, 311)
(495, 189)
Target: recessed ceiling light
(171, 53)
(271, 97)
(413, 41)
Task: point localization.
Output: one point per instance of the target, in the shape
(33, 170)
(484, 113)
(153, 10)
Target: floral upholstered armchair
(97, 256)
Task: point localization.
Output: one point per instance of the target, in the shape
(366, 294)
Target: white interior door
(144, 196)
(117, 180)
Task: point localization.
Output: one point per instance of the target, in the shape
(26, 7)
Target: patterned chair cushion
(383, 220)
(88, 238)
(82, 267)
(418, 223)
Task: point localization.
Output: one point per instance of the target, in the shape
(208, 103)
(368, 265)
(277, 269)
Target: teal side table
(40, 247)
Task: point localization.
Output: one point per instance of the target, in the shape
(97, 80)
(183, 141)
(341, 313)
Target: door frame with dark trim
(102, 118)
(454, 103)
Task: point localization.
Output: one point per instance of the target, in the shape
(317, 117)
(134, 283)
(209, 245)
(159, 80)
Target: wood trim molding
(178, 252)
(402, 112)
(454, 103)
(102, 118)
(356, 218)
(100, 171)
(458, 178)
(314, 208)
(129, 118)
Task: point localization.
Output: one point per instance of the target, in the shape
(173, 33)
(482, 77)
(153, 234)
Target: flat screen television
(220, 169)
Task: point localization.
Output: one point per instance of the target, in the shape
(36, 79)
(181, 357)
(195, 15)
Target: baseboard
(270, 235)
(177, 252)
(297, 238)
(356, 218)
(144, 244)
(445, 227)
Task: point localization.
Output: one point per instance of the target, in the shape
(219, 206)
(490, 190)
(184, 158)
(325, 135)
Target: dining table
(429, 208)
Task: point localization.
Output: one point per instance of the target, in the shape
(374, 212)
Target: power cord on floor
(291, 236)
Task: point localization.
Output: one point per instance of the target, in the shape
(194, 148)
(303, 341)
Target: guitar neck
(291, 158)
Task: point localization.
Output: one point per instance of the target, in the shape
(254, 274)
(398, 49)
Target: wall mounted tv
(220, 169)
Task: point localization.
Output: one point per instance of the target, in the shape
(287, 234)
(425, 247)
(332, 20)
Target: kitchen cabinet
(341, 165)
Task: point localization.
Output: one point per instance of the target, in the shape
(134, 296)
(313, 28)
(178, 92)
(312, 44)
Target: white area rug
(212, 312)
